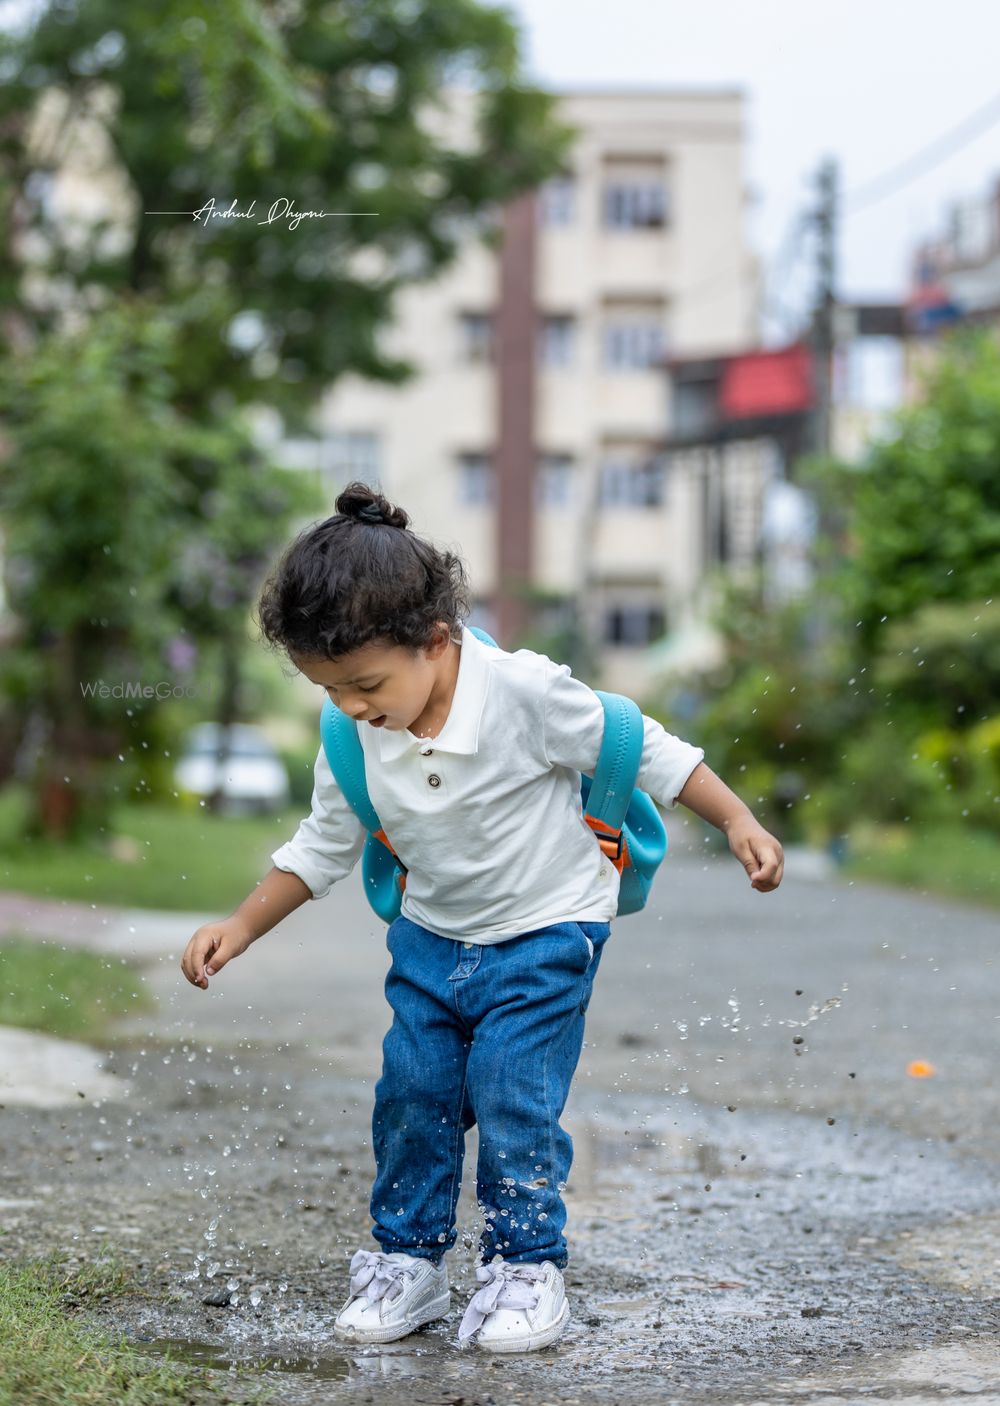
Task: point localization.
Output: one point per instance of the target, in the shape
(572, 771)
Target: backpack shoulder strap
(618, 762)
(621, 752)
(347, 762)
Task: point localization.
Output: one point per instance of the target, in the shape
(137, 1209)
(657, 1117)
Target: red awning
(766, 383)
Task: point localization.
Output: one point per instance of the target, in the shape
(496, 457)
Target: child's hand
(759, 852)
(211, 948)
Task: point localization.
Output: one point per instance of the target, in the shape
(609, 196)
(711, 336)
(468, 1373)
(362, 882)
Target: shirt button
(433, 779)
(603, 874)
(427, 751)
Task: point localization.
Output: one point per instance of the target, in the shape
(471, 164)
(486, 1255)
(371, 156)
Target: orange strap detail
(401, 876)
(609, 841)
(381, 835)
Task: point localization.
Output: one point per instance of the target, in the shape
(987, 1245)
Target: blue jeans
(488, 1034)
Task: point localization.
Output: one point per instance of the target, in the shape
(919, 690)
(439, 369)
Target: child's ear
(441, 640)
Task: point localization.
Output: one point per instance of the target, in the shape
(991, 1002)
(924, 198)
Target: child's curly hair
(359, 576)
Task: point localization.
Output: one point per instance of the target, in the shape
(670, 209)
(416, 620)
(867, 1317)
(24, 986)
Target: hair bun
(364, 504)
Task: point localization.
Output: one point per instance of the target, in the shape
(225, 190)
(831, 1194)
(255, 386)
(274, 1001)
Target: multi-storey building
(532, 435)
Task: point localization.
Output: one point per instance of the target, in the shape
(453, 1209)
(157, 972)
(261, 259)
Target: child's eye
(372, 688)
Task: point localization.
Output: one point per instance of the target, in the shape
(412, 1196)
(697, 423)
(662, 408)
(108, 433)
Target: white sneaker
(391, 1295)
(520, 1307)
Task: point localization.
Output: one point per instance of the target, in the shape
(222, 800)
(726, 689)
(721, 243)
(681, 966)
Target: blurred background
(680, 324)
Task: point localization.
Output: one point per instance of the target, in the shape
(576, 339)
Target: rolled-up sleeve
(573, 728)
(667, 762)
(328, 843)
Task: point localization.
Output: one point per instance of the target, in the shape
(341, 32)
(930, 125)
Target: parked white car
(253, 777)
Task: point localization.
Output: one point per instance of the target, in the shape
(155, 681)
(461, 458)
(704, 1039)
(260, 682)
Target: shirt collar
(460, 733)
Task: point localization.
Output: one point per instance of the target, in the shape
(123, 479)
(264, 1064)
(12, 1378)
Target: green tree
(335, 105)
(332, 105)
(925, 522)
(114, 546)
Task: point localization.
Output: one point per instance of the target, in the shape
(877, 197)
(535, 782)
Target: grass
(951, 860)
(183, 859)
(71, 993)
(51, 1356)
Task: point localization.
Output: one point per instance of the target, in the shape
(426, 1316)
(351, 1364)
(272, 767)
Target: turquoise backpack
(625, 820)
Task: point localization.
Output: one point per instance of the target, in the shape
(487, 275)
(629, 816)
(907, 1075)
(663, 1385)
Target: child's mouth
(377, 722)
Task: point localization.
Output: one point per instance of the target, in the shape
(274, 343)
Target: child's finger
(203, 951)
(191, 962)
(768, 873)
(749, 858)
(217, 957)
(191, 967)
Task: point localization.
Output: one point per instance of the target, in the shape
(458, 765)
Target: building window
(633, 343)
(557, 202)
(625, 483)
(557, 342)
(354, 454)
(555, 482)
(635, 193)
(635, 206)
(475, 481)
(634, 624)
(475, 330)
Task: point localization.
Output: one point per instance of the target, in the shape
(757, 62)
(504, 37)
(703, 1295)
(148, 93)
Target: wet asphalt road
(764, 1205)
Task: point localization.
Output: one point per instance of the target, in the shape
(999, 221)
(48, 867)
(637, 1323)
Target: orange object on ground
(920, 1069)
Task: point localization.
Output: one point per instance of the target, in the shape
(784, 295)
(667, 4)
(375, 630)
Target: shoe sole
(438, 1308)
(533, 1342)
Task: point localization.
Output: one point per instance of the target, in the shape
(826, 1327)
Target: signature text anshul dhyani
(281, 210)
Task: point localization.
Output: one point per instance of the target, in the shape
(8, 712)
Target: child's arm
(757, 850)
(214, 944)
(324, 849)
(671, 770)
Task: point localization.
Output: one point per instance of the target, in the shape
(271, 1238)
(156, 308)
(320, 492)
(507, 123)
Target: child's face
(385, 685)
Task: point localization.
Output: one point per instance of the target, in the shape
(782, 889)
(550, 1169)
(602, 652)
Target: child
(473, 758)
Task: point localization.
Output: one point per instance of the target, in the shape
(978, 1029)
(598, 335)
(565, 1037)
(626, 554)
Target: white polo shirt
(486, 816)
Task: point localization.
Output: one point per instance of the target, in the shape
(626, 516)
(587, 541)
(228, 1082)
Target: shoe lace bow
(504, 1286)
(376, 1276)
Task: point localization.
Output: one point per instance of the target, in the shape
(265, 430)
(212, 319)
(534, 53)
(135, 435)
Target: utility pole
(824, 218)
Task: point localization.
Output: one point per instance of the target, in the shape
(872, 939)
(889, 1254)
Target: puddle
(218, 1357)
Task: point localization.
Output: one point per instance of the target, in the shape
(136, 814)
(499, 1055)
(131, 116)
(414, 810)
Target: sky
(868, 82)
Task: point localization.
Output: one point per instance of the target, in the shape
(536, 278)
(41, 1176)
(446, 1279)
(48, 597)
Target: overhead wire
(897, 177)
